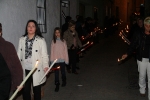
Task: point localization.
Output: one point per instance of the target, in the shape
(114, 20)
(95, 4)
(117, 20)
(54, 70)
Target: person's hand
(20, 87)
(45, 69)
(124, 56)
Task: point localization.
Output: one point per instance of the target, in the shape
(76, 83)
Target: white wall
(14, 15)
(53, 19)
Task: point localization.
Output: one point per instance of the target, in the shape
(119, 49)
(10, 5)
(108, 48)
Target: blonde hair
(147, 20)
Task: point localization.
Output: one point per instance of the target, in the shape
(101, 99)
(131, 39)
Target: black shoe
(57, 88)
(63, 84)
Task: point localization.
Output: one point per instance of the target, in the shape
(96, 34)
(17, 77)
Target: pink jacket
(59, 51)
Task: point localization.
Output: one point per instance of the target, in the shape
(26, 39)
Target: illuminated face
(147, 27)
(57, 33)
(72, 28)
(31, 28)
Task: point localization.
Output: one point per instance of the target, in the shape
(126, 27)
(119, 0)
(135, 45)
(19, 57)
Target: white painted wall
(14, 15)
(53, 19)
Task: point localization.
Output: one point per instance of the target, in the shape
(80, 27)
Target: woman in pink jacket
(59, 51)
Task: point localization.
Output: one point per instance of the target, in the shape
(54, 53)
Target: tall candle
(48, 70)
(26, 78)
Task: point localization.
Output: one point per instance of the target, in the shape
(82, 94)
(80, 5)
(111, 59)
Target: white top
(28, 64)
(28, 61)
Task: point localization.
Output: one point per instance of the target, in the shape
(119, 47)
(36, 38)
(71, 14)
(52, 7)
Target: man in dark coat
(11, 73)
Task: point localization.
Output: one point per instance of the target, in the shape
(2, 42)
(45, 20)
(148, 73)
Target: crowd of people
(65, 45)
(32, 47)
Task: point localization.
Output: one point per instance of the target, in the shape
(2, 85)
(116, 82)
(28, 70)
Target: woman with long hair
(59, 51)
(32, 47)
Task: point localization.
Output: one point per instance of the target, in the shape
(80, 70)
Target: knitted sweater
(59, 51)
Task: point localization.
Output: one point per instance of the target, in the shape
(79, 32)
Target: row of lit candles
(124, 37)
(85, 46)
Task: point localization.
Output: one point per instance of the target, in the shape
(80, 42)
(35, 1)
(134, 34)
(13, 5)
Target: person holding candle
(59, 51)
(32, 47)
(141, 42)
(11, 73)
(72, 40)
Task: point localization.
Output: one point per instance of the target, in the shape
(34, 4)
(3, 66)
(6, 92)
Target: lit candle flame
(91, 33)
(88, 42)
(58, 67)
(119, 60)
(127, 27)
(36, 63)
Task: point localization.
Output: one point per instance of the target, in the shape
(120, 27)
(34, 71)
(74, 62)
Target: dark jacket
(9, 53)
(138, 44)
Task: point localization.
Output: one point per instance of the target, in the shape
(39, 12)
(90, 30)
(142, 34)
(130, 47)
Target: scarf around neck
(28, 48)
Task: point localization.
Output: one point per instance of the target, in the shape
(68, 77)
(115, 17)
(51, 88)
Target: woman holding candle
(11, 73)
(32, 47)
(141, 42)
(72, 40)
(59, 51)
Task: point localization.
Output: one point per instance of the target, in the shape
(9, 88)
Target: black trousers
(63, 73)
(72, 59)
(5, 85)
(27, 89)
